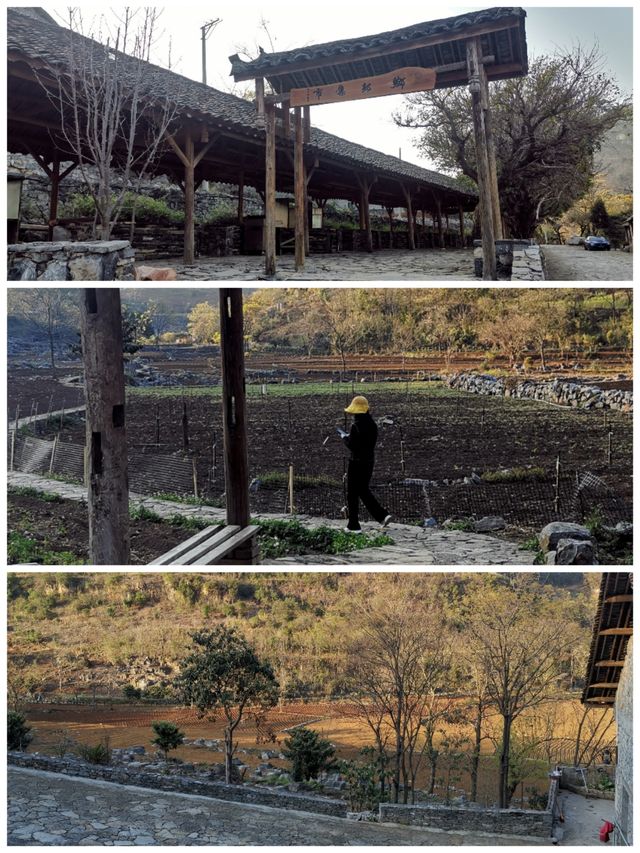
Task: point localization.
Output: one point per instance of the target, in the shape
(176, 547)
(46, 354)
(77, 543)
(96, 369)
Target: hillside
(73, 633)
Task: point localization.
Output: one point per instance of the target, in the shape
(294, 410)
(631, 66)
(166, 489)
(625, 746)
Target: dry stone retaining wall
(563, 393)
(182, 784)
(524, 822)
(95, 260)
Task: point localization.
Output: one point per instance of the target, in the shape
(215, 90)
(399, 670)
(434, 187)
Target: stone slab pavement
(383, 265)
(573, 263)
(583, 818)
(412, 545)
(49, 809)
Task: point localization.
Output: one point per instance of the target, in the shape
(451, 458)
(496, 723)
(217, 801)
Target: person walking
(361, 441)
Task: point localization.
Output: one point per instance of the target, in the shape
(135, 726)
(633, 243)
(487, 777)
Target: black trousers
(358, 479)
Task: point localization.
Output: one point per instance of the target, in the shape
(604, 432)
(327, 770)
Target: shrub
(131, 692)
(168, 736)
(309, 754)
(363, 784)
(18, 733)
(135, 598)
(98, 754)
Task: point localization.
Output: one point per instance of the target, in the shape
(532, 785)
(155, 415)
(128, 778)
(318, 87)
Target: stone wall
(110, 260)
(624, 771)
(124, 775)
(525, 822)
(516, 260)
(561, 392)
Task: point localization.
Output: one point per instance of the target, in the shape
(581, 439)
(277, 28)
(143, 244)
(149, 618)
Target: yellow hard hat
(358, 406)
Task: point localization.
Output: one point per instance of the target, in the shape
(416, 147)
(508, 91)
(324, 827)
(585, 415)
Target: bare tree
(397, 663)
(110, 120)
(46, 310)
(519, 640)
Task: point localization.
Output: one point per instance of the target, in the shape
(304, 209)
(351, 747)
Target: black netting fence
(525, 503)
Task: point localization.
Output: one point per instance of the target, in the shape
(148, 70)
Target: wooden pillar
(241, 198)
(439, 221)
(461, 220)
(390, 215)
(365, 185)
(286, 122)
(189, 200)
(270, 192)
(260, 106)
(410, 222)
(360, 205)
(307, 123)
(299, 189)
(55, 177)
(482, 160)
(106, 442)
(234, 410)
(491, 154)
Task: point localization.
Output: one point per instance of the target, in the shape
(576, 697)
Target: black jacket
(361, 441)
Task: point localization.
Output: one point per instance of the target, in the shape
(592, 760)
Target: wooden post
(270, 192)
(189, 201)
(439, 221)
(234, 417)
(365, 217)
(106, 441)
(13, 449)
(410, 226)
(55, 176)
(300, 187)
(491, 154)
(482, 159)
(390, 215)
(461, 220)
(291, 504)
(307, 123)
(195, 476)
(241, 198)
(53, 454)
(260, 105)
(185, 427)
(556, 499)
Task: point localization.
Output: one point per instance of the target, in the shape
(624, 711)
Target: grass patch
(187, 499)
(466, 525)
(280, 479)
(285, 538)
(29, 492)
(532, 544)
(303, 389)
(515, 475)
(22, 549)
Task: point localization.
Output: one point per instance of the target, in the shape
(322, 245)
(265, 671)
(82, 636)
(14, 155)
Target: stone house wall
(624, 770)
(526, 822)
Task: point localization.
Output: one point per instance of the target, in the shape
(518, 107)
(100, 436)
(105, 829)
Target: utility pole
(205, 29)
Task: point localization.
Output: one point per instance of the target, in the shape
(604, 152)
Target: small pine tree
(18, 734)
(308, 754)
(168, 736)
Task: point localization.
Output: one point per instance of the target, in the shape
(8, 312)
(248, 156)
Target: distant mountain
(615, 158)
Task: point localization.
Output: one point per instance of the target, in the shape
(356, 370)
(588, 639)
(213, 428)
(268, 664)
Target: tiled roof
(344, 48)
(48, 43)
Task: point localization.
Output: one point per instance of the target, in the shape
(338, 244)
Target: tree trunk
(228, 755)
(475, 756)
(504, 762)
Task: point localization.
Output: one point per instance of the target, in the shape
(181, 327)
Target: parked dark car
(597, 243)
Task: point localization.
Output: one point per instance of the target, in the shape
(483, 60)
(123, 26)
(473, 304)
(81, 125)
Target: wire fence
(573, 496)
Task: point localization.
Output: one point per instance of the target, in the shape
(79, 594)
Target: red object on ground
(605, 831)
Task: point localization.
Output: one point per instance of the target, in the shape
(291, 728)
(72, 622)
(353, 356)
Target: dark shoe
(351, 530)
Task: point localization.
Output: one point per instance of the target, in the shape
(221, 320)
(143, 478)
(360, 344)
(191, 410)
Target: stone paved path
(583, 818)
(385, 265)
(572, 263)
(412, 545)
(49, 809)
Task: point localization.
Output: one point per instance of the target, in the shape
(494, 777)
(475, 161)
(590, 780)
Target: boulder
(575, 552)
(147, 273)
(550, 535)
(86, 268)
(55, 271)
(490, 523)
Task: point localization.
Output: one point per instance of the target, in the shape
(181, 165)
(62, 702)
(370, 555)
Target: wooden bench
(213, 545)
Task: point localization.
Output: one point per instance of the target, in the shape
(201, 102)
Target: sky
(369, 123)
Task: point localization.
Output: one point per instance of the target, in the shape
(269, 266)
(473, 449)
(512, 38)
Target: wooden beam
(106, 441)
(608, 685)
(399, 82)
(260, 104)
(180, 153)
(299, 188)
(270, 192)
(234, 415)
(484, 176)
(619, 663)
(616, 632)
(619, 599)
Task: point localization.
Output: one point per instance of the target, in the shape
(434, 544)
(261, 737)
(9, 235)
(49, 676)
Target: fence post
(17, 416)
(291, 504)
(53, 454)
(556, 500)
(610, 447)
(61, 417)
(158, 424)
(185, 426)
(13, 449)
(195, 477)
(86, 465)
